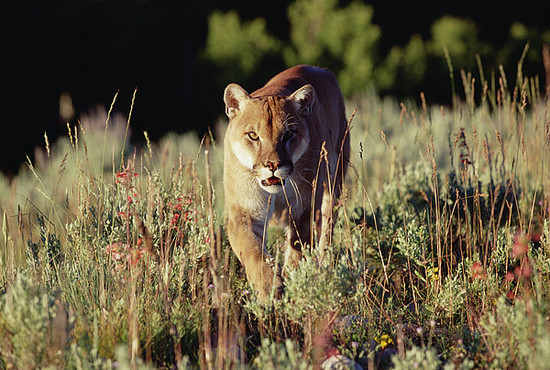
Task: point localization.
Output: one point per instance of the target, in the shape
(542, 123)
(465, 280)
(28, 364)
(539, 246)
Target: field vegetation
(115, 256)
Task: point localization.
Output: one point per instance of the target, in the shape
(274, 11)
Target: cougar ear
(234, 97)
(304, 99)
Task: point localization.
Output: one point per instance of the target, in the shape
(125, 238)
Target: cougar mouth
(273, 180)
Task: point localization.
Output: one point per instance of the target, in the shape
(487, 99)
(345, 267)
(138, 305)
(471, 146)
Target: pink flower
(116, 250)
(521, 245)
(134, 256)
(478, 272)
(524, 270)
(175, 219)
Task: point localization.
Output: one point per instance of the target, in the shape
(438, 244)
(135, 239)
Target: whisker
(296, 191)
(303, 178)
(290, 118)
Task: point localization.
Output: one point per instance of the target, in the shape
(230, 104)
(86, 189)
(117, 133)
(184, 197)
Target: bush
(318, 286)
(33, 326)
(341, 38)
(274, 356)
(417, 358)
(459, 37)
(238, 47)
(515, 334)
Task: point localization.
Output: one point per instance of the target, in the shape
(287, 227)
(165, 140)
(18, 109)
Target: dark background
(91, 49)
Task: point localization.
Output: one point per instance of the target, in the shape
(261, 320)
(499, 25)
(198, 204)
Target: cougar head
(269, 134)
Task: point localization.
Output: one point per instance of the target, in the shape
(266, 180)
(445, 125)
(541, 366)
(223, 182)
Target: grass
(115, 256)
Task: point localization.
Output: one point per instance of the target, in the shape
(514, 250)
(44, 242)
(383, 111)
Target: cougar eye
(253, 136)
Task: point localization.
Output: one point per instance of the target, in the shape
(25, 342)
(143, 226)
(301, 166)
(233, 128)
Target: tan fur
(283, 130)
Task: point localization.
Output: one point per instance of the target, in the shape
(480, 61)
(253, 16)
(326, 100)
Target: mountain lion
(281, 141)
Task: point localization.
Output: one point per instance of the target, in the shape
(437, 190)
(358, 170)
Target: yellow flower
(432, 273)
(383, 341)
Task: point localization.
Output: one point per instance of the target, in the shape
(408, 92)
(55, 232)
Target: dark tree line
(92, 48)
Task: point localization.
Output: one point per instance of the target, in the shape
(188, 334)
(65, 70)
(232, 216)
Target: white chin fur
(272, 189)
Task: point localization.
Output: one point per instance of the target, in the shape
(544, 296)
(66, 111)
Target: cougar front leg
(246, 238)
(299, 235)
(330, 195)
(327, 226)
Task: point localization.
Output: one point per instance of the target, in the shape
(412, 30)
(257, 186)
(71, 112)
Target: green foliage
(238, 46)
(323, 34)
(514, 333)
(403, 200)
(27, 326)
(417, 358)
(318, 285)
(407, 64)
(414, 59)
(274, 356)
(413, 240)
(459, 37)
(344, 39)
(449, 299)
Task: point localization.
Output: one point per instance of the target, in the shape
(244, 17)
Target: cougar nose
(272, 165)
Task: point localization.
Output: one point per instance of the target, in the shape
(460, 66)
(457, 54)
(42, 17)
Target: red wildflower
(116, 250)
(134, 256)
(478, 272)
(524, 270)
(535, 237)
(511, 295)
(331, 351)
(509, 277)
(521, 245)
(175, 219)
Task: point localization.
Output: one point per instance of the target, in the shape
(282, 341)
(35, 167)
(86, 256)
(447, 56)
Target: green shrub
(515, 333)
(459, 37)
(33, 328)
(274, 356)
(342, 38)
(319, 286)
(417, 358)
(238, 47)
